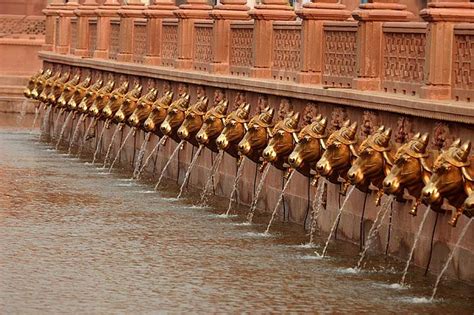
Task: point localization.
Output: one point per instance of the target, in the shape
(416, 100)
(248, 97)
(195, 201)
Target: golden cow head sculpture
(411, 170)
(104, 98)
(373, 162)
(48, 87)
(310, 146)
(79, 93)
(235, 126)
(92, 93)
(155, 115)
(116, 100)
(213, 125)
(136, 118)
(40, 83)
(193, 121)
(257, 135)
(452, 179)
(339, 154)
(58, 87)
(175, 117)
(69, 90)
(30, 85)
(282, 141)
(130, 101)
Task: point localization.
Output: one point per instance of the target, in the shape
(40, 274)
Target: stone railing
(383, 52)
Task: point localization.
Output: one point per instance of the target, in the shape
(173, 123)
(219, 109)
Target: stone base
(435, 92)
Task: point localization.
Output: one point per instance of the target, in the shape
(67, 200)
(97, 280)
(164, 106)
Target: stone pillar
(155, 13)
(187, 14)
(84, 13)
(128, 13)
(51, 12)
(442, 16)
(105, 13)
(371, 17)
(66, 13)
(223, 14)
(264, 15)
(313, 16)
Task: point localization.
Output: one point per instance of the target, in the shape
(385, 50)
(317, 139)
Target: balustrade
(381, 50)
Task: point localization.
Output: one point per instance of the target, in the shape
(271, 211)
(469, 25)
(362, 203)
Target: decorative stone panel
(463, 64)
(241, 37)
(139, 42)
(114, 39)
(169, 42)
(202, 45)
(286, 54)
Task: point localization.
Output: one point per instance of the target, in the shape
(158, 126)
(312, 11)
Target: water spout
(122, 145)
(240, 172)
(316, 209)
(84, 137)
(253, 206)
(190, 168)
(207, 188)
(141, 155)
(279, 200)
(37, 110)
(333, 228)
(415, 242)
(117, 129)
(147, 160)
(168, 163)
(66, 122)
(76, 132)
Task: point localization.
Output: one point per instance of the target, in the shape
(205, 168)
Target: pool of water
(73, 240)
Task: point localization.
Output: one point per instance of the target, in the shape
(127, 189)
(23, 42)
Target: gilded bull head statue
(69, 89)
(31, 83)
(79, 93)
(175, 117)
(373, 162)
(103, 99)
(235, 127)
(116, 100)
(257, 135)
(92, 93)
(213, 125)
(153, 116)
(468, 206)
(193, 121)
(339, 154)
(39, 84)
(130, 103)
(452, 179)
(309, 147)
(282, 141)
(146, 100)
(58, 87)
(47, 87)
(411, 170)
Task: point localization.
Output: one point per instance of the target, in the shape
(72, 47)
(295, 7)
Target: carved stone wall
(92, 36)
(286, 54)
(14, 25)
(114, 39)
(463, 65)
(241, 37)
(202, 46)
(139, 43)
(170, 43)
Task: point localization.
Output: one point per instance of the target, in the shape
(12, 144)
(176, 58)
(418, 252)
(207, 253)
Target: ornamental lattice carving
(202, 44)
(73, 35)
(404, 57)
(287, 49)
(139, 43)
(21, 25)
(241, 47)
(114, 40)
(92, 37)
(340, 53)
(463, 62)
(169, 43)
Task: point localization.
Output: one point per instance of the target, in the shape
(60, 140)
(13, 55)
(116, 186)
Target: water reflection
(74, 241)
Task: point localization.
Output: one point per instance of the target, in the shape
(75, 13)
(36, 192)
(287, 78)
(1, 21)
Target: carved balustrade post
(223, 14)
(314, 14)
(66, 13)
(128, 14)
(84, 13)
(155, 13)
(188, 14)
(371, 17)
(438, 72)
(265, 14)
(52, 13)
(105, 13)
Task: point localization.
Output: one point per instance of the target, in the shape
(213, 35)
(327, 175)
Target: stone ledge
(462, 112)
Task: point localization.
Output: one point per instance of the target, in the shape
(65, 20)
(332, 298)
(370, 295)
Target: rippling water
(75, 241)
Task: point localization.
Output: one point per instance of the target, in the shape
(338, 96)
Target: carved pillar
(442, 17)
(187, 14)
(155, 13)
(64, 36)
(51, 12)
(371, 17)
(105, 13)
(128, 13)
(264, 15)
(314, 14)
(84, 13)
(223, 14)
